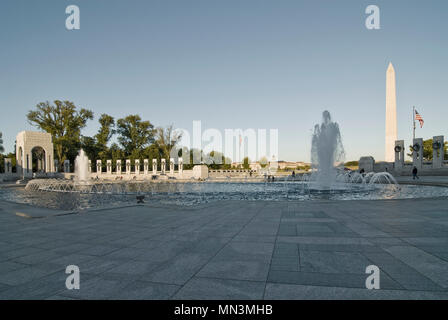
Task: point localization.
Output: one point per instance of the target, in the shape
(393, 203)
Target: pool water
(193, 193)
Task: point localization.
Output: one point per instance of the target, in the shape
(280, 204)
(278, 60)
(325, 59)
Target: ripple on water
(189, 194)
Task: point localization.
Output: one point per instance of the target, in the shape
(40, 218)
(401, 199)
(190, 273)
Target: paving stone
(275, 291)
(328, 279)
(406, 276)
(236, 269)
(143, 290)
(229, 250)
(219, 289)
(23, 275)
(431, 266)
(333, 262)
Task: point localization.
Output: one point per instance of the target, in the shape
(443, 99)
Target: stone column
(154, 166)
(417, 153)
(99, 169)
(437, 152)
(118, 170)
(109, 166)
(137, 166)
(145, 166)
(39, 165)
(28, 163)
(128, 166)
(49, 163)
(90, 166)
(171, 166)
(163, 166)
(181, 165)
(56, 166)
(399, 155)
(67, 166)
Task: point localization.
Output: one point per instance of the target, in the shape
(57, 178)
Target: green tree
(116, 153)
(167, 138)
(427, 150)
(153, 152)
(134, 134)
(106, 131)
(64, 122)
(88, 144)
(1, 143)
(246, 163)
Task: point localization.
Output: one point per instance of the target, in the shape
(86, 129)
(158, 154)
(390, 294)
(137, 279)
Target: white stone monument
(128, 166)
(26, 141)
(154, 166)
(163, 166)
(118, 170)
(99, 169)
(399, 155)
(109, 166)
(391, 114)
(137, 166)
(200, 171)
(181, 165)
(145, 166)
(366, 163)
(171, 166)
(90, 166)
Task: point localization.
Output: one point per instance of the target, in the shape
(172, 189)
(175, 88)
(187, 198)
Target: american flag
(419, 118)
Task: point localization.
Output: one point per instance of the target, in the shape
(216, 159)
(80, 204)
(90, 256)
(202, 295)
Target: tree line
(135, 138)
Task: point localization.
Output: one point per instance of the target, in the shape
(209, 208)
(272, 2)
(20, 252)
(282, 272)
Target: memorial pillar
(154, 166)
(438, 151)
(417, 153)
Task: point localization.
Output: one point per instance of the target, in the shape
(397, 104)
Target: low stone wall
(406, 170)
(229, 173)
(186, 174)
(8, 177)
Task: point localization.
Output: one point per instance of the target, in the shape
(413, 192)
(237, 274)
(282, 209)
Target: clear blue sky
(230, 64)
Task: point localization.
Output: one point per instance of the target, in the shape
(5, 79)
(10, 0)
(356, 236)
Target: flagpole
(413, 121)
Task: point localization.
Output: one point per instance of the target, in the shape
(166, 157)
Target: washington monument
(391, 115)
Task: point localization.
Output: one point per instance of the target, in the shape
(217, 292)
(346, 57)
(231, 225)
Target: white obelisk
(391, 115)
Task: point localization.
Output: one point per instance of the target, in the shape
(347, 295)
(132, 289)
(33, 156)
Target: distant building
(282, 165)
(290, 164)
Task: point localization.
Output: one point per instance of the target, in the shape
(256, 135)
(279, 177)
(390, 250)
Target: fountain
(328, 180)
(82, 167)
(326, 152)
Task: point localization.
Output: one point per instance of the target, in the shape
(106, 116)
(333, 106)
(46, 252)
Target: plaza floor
(228, 250)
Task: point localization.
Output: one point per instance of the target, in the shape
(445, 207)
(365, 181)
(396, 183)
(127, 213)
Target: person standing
(414, 173)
